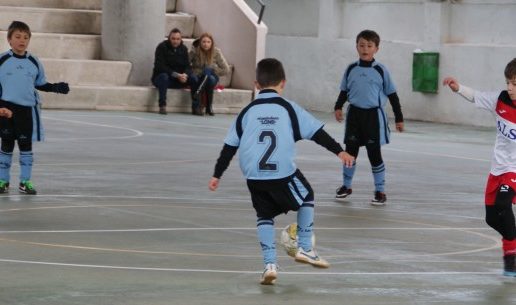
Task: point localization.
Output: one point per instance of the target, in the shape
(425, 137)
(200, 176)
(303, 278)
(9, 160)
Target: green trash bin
(425, 72)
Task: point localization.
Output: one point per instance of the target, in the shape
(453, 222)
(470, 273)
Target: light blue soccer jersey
(18, 77)
(368, 85)
(265, 133)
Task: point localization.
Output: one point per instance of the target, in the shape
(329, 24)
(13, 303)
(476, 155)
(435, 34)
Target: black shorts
(273, 197)
(362, 126)
(19, 126)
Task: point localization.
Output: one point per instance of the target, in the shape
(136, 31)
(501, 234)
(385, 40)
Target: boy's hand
(6, 113)
(62, 88)
(346, 159)
(339, 116)
(213, 184)
(452, 83)
(400, 126)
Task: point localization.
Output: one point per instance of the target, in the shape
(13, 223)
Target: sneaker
(310, 257)
(379, 199)
(343, 192)
(509, 265)
(269, 275)
(27, 187)
(4, 187)
(162, 110)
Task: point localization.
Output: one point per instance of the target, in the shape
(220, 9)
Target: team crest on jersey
(270, 120)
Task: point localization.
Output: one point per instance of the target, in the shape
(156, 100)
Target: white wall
(235, 30)
(475, 39)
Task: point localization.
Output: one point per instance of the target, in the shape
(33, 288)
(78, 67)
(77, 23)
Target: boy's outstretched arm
(455, 86)
(322, 138)
(226, 154)
(61, 87)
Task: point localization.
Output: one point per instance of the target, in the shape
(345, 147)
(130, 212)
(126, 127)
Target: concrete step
(65, 46)
(97, 72)
(130, 98)
(87, 72)
(71, 21)
(70, 4)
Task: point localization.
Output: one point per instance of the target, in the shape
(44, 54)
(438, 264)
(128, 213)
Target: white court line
(436, 154)
(137, 133)
(242, 271)
(232, 228)
(155, 120)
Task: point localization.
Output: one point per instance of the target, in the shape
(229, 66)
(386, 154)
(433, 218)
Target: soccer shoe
(343, 192)
(509, 265)
(4, 187)
(269, 275)
(310, 257)
(27, 187)
(379, 199)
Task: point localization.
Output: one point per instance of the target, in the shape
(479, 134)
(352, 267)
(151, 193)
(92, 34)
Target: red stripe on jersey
(506, 111)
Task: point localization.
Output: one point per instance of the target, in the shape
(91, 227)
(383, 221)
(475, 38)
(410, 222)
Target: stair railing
(262, 9)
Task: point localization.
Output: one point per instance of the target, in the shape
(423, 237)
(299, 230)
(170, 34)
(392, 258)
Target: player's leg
(7, 133)
(26, 160)
(347, 173)
(26, 119)
(500, 197)
(6, 156)
(265, 211)
(303, 196)
(374, 154)
(503, 203)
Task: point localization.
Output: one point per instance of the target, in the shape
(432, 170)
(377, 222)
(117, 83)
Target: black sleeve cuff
(226, 154)
(322, 138)
(396, 107)
(343, 97)
(48, 87)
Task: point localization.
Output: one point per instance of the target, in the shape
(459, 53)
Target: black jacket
(168, 59)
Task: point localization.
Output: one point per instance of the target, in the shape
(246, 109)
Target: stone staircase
(66, 38)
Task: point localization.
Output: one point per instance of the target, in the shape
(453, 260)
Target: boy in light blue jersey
(367, 85)
(21, 74)
(265, 132)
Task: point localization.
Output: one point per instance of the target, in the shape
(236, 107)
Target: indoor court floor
(124, 216)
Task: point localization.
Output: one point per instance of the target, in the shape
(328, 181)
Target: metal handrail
(262, 9)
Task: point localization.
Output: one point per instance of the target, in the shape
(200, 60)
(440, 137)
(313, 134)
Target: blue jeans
(164, 81)
(211, 81)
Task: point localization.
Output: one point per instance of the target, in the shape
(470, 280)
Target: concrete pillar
(131, 30)
(329, 16)
(436, 25)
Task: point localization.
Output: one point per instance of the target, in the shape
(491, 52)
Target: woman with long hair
(208, 64)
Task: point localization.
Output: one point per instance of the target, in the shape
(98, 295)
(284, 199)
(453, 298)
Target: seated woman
(208, 64)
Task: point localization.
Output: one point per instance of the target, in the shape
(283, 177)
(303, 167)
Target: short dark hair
(510, 69)
(18, 26)
(174, 31)
(269, 72)
(369, 35)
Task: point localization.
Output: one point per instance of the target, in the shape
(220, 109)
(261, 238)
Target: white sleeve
(466, 92)
(484, 100)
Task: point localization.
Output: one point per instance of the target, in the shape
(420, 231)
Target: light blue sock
(266, 236)
(379, 177)
(26, 159)
(305, 224)
(347, 174)
(5, 165)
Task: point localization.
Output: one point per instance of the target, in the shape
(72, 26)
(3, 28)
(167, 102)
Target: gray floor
(124, 216)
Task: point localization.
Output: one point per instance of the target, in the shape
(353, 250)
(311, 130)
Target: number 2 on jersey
(263, 164)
